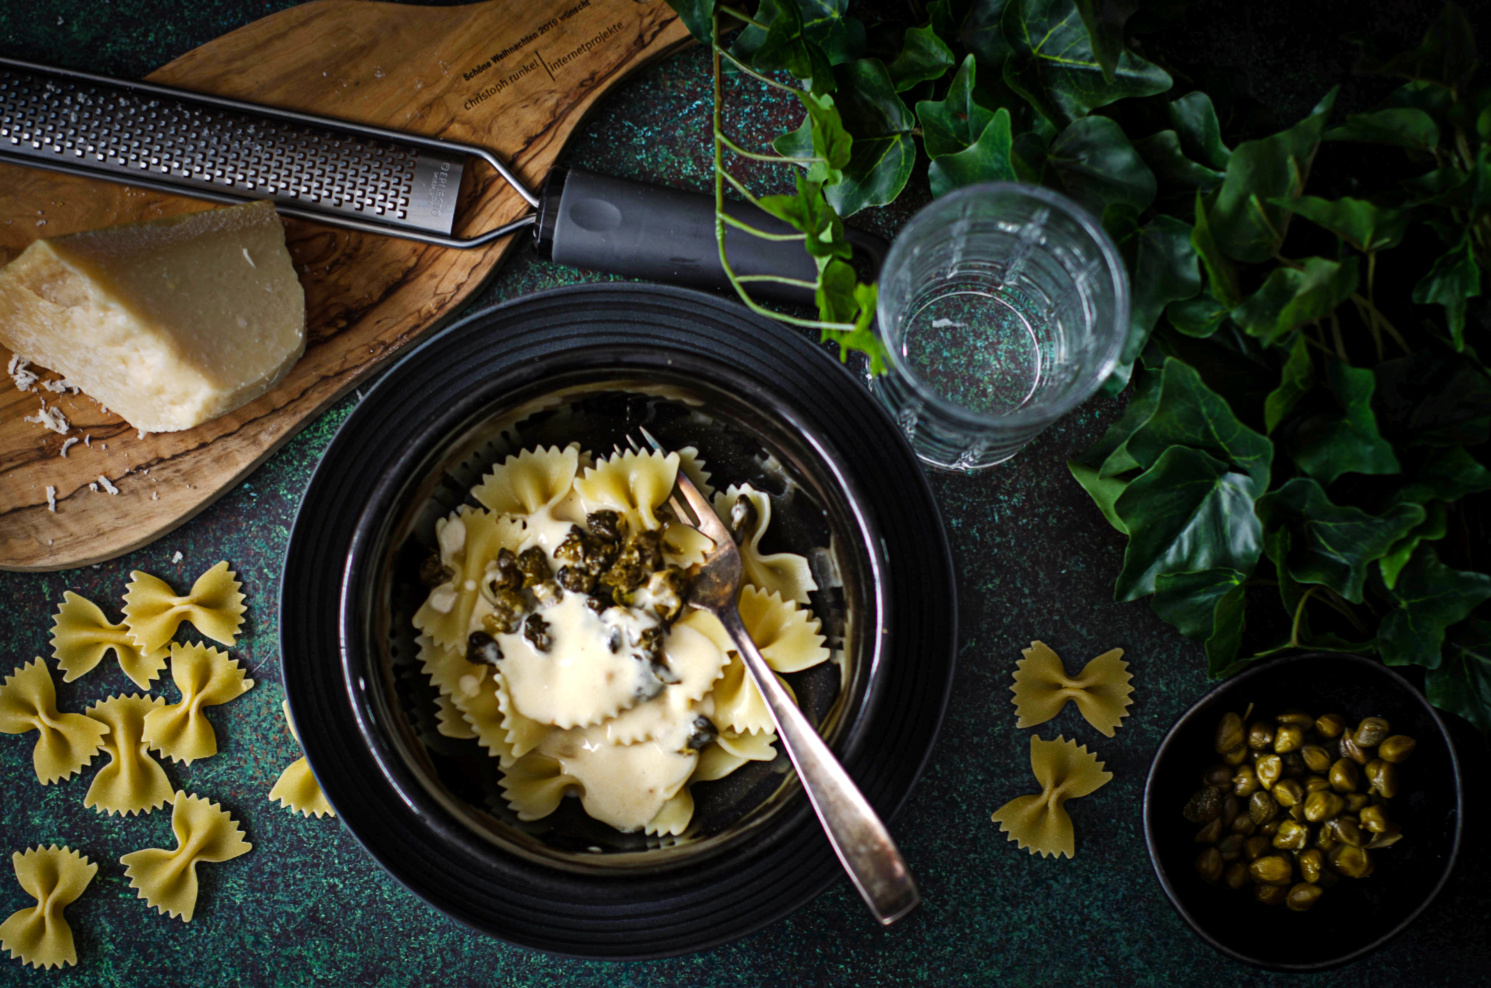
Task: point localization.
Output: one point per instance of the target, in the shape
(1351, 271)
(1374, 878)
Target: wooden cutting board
(516, 76)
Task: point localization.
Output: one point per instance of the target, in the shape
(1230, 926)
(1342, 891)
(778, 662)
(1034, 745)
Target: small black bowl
(1356, 916)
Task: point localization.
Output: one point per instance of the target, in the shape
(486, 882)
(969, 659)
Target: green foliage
(1309, 423)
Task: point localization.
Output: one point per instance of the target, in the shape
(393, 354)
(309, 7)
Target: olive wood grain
(426, 70)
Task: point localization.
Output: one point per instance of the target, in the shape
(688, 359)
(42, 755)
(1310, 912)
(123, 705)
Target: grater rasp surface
(153, 136)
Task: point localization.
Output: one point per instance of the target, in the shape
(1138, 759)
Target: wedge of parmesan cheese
(170, 322)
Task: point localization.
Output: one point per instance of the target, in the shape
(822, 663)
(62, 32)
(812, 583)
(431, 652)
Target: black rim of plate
(679, 910)
(1232, 685)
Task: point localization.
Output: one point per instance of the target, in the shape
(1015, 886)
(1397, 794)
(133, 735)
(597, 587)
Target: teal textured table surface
(1034, 558)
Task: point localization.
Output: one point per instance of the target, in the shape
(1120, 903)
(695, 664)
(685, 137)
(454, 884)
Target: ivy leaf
(1097, 166)
(1433, 398)
(1200, 316)
(1330, 544)
(1188, 413)
(1054, 67)
(1258, 173)
(923, 56)
(1206, 606)
(862, 337)
(1364, 226)
(1446, 472)
(1403, 126)
(1103, 490)
(1453, 279)
(697, 16)
(1162, 268)
(824, 23)
(1462, 683)
(1297, 378)
(986, 160)
(1188, 512)
(1446, 55)
(1172, 169)
(1104, 21)
(980, 29)
(1220, 274)
(783, 46)
(1290, 298)
(1195, 122)
(956, 121)
(1110, 455)
(1347, 440)
(822, 135)
(1434, 527)
(809, 212)
(835, 292)
(1430, 597)
(884, 151)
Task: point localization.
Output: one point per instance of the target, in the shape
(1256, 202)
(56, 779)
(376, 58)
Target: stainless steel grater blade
(314, 168)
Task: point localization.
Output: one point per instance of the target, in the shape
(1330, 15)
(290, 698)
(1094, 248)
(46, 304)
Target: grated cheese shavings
(104, 483)
(51, 418)
(21, 373)
(177, 557)
(51, 499)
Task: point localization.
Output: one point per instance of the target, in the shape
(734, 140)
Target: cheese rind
(170, 322)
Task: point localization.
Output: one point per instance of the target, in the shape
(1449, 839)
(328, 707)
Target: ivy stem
(798, 282)
(1367, 311)
(1371, 300)
(739, 225)
(752, 72)
(1336, 335)
(1299, 616)
(738, 187)
(742, 16)
(1334, 599)
(773, 158)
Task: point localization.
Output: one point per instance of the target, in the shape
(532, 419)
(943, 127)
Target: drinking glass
(1002, 307)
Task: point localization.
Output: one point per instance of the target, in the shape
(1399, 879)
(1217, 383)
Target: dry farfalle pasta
(167, 880)
(55, 877)
(1101, 690)
(133, 781)
(65, 742)
(1040, 822)
(296, 788)
(153, 611)
(81, 635)
(206, 678)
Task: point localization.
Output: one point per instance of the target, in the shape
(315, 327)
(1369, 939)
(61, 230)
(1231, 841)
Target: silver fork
(858, 836)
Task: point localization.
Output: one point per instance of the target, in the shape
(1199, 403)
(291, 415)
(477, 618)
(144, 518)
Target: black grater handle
(661, 234)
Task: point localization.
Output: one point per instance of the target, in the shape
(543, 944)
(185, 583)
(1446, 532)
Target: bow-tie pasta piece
(81, 634)
(673, 819)
(450, 722)
(55, 877)
(472, 690)
(153, 611)
(634, 484)
(167, 880)
(133, 781)
(731, 750)
(296, 787)
(738, 703)
(692, 465)
(65, 742)
(746, 512)
(1101, 690)
(1040, 822)
(529, 482)
(786, 634)
(697, 663)
(469, 541)
(206, 678)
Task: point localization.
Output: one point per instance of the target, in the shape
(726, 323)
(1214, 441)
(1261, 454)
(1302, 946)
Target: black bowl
(590, 364)
(1356, 916)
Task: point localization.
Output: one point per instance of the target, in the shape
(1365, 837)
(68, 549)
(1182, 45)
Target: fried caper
(1255, 847)
(1270, 769)
(506, 616)
(608, 526)
(482, 649)
(1271, 869)
(534, 565)
(1209, 865)
(1229, 733)
(1270, 895)
(1311, 862)
(1382, 778)
(536, 630)
(1291, 836)
(1317, 759)
(702, 733)
(1261, 808)
(1345, 776)
(1245, 781)
(1371, 732)
(1236, 876)
(432, 572)
(1303, 896)
(547, 593)
(1350, 862)
(1322, 806)
(576, 579)
(1330, 725)
(744, 518)
(1374, 819)
(1261, 735)
(1289, 737)
(666, 590)
(1396, 749)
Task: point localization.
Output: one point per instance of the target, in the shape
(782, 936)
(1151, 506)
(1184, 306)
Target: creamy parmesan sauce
(624, 785)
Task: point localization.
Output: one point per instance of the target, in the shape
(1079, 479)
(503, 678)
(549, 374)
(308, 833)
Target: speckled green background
(1034, 560)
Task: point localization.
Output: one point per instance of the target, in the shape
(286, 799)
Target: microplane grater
(315, 168)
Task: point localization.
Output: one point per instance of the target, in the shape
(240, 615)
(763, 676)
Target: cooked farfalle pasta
(81, 634)
(1042, 687)
(206, 678)
(555, 636)
(133, 781)
(529, 482)
(54, 876)
(297, 788)
(153, 611)
(1040, 822)
(634, 484)
(692, 466)
(167, 880)
(747, 513)
(65, 742)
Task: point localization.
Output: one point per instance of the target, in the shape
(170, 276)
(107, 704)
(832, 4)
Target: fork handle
(859, 837)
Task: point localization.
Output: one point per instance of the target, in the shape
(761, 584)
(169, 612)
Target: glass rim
(1117, 273)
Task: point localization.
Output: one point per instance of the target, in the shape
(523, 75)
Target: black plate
(639, 913)
(1357, 916)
